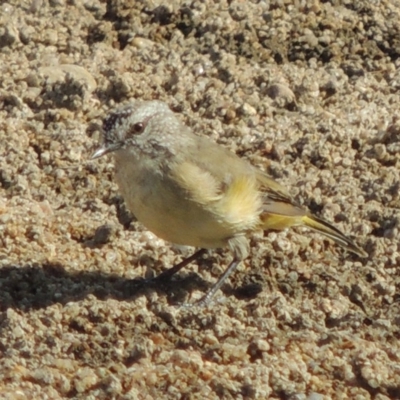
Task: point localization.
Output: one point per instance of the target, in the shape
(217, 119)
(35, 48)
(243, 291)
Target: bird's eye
(138, 128)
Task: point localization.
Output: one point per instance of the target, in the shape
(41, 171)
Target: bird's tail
(278, 216)
(330, 231)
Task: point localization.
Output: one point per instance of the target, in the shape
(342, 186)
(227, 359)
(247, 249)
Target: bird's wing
(218, 171)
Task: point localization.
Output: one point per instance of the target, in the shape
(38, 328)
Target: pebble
(294, 88)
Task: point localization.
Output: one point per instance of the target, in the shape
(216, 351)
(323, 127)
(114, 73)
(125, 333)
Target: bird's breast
(191, 214)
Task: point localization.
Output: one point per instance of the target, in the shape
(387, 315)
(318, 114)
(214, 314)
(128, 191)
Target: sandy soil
(309, 92)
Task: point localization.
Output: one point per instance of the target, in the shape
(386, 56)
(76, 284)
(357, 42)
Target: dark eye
(138, 128)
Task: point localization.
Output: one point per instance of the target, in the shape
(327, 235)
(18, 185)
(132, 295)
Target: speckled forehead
(117, 118)
(115, 124)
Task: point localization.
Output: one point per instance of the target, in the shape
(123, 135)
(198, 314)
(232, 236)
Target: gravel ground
(308, 91)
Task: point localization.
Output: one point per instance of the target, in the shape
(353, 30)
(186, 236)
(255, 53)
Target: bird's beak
(102, 151)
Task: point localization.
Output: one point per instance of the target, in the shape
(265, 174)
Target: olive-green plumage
(190, 191)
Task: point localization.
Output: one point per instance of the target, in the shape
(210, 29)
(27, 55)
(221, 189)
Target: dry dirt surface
(305, 90)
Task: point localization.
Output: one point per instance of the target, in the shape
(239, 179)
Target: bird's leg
(176, 268)
(210, 294)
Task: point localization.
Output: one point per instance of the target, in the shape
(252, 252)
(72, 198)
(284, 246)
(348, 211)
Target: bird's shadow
(41, 285)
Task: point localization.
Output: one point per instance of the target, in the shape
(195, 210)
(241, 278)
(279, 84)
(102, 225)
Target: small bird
(191, 191)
